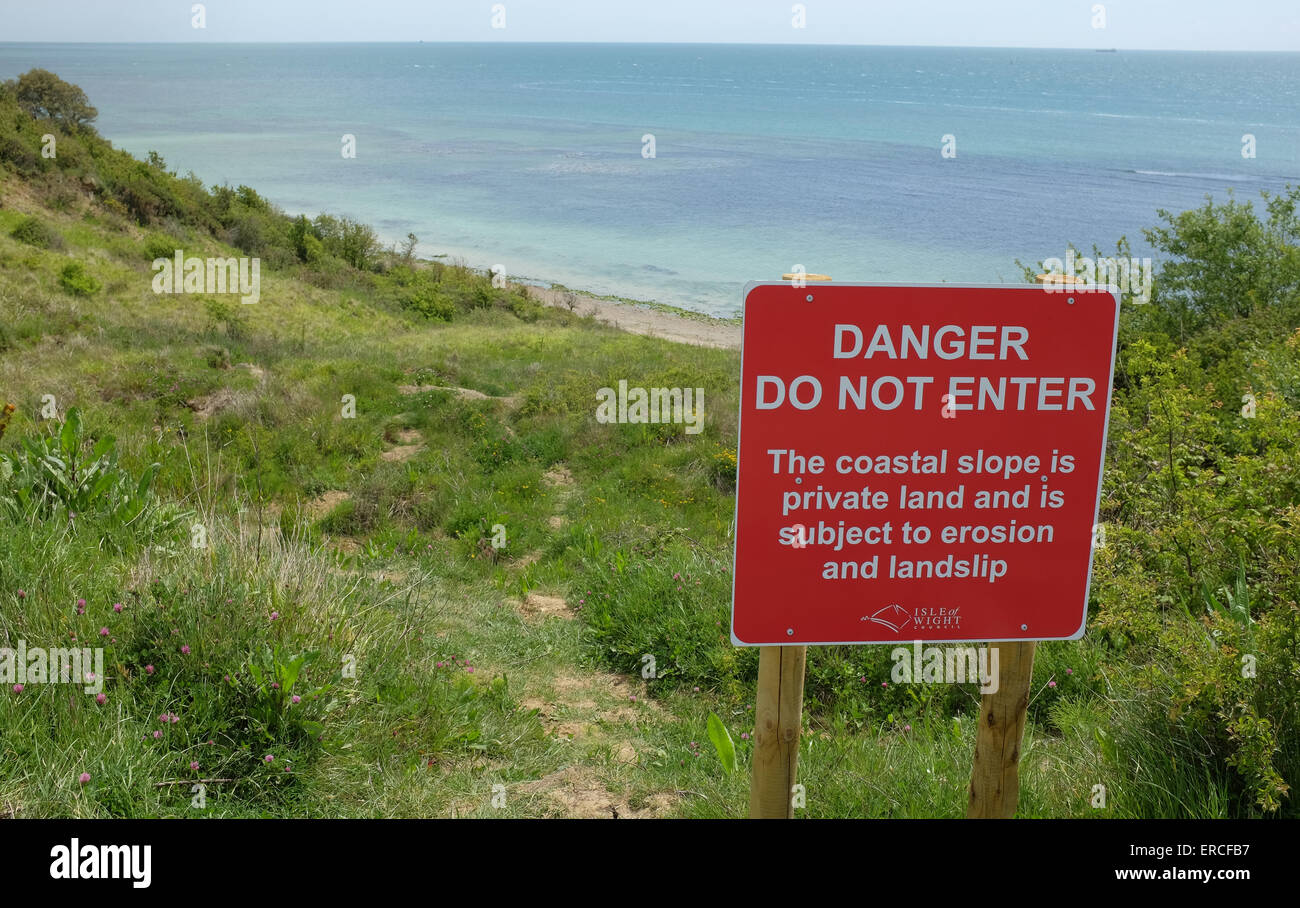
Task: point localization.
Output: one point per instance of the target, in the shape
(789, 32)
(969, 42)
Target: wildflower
(470, 669)
(83, 778)
(907, 728)
(101, 699)
(157, 735)
(185, 650)
(697, 690)
(117, 606)
(194, 766)
(175, 718)
(18, 688)
(632, 698)
(744, 736)
(103, 632)
(81, 606)
(295, 699)
(863, 679)
(22, 594)
(148, 669)
(1069, 671)
(275, 615)
(884, 684)
(275, 685)
(268, 758)
(1051, 684)
(440, 665)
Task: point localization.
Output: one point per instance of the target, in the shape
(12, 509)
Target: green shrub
(159, 246)
(34, 232)
(75, 279)
(429, 302)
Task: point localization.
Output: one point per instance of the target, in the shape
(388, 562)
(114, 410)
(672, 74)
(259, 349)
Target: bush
(74, 279)
(34, 232)
(159, 246)
(429, 302)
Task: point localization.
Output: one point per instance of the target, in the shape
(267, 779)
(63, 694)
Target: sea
(679, 172)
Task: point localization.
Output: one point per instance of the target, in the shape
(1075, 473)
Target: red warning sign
(919, 463)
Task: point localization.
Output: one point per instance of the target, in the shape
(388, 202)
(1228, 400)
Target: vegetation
(295, 503)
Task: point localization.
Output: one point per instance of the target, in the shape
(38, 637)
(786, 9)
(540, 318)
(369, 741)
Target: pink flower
(907, 728)
(103, 632)
(744, 736)
(470, 669)
(83, 778)
(295, 699)
(884, 684)
(275, 685)
(101, 699)
(1069, 671)
(440, 665)
(1051, 684)
(117, 606)
(22, 594)
(175, 718)
(697, 690)
(18, 688)
(157, 734)
(148, 669)
(275, 615)
(185, 650)
(268, 758)
(81, 606)
(194, 766)
(632, 698)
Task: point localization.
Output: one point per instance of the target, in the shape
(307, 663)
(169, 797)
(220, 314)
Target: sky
(1123, 24)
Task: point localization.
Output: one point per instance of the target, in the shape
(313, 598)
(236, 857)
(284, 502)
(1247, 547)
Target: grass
(343, 464)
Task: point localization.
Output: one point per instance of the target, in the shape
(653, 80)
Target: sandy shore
(702, 331)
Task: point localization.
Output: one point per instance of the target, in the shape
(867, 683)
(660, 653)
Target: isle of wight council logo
(894, 617)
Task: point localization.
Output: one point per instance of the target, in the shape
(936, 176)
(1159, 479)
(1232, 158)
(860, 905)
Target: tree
(44, 95)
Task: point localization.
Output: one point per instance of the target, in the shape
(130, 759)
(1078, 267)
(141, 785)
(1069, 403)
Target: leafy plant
(276, 675)
(74, 279)
(62, 474)
(722, 743)
(34, 232)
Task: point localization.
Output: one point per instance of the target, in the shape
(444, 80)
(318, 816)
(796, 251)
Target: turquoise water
(766, 156)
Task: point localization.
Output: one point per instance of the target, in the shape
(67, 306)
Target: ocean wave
(1193, 176)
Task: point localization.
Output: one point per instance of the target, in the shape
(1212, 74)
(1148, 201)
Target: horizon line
(810, 44)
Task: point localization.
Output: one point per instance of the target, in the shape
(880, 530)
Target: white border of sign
(1101, 465)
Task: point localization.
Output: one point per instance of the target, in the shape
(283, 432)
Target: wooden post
(995, 777)
(776, 731)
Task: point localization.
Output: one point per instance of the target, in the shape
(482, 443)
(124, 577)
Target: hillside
(295, 504)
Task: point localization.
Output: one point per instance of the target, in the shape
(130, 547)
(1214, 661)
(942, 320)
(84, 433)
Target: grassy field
(314, 620)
